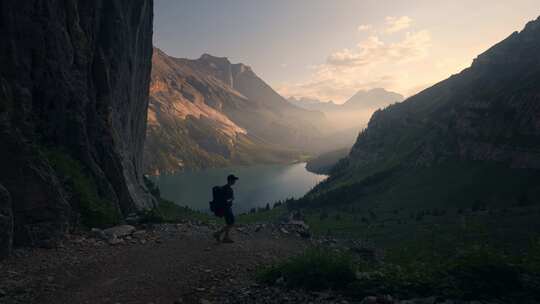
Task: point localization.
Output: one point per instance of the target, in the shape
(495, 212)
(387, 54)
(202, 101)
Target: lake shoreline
(258, 186)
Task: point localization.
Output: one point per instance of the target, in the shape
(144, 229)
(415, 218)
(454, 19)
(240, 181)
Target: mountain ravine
(208, 112)
(73, 100)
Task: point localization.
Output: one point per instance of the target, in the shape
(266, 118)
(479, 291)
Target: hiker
(222, 206)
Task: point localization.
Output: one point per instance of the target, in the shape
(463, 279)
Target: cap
(232, 177)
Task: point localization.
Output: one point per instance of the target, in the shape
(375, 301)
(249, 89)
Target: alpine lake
(257, 185)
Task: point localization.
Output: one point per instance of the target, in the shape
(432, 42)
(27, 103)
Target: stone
(98, 233)
(119, 231)
(139, 234)
(114, 240)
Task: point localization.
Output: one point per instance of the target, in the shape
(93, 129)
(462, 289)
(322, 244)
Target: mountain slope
(474, 137)
(209, 112)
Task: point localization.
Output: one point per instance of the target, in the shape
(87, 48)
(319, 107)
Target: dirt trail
(181, 264)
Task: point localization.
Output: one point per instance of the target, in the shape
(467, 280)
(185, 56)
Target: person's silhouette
(228, 196)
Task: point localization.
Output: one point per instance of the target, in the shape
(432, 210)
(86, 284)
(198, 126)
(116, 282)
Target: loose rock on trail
(165, 263)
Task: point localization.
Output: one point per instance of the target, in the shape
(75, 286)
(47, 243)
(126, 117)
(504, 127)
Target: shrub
(481, 273)
(315, 269)
(169, 212)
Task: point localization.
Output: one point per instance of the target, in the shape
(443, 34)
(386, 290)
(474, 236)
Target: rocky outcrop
(73, 83)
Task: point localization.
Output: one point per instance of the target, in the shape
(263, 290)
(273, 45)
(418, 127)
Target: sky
(330, 49)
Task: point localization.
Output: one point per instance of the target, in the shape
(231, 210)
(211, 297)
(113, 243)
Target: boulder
(139, 234)
(119, 231)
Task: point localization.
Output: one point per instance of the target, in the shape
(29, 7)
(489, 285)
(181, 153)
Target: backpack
(217, 205)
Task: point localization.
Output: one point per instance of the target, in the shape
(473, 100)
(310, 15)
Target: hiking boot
(227, 240)
(217, 236)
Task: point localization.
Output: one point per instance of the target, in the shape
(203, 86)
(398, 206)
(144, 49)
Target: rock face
(74, 82)
(209, 112)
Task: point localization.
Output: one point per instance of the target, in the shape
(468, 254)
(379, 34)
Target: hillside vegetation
(460, 156)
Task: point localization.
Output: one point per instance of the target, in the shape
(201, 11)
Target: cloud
(364, 27)
(373, 50)
(396, 62)
(373, 63)
(397, 24)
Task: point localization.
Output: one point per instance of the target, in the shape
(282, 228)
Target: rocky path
(168, 264)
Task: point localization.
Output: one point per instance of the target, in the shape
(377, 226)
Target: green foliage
(406, 281)
(481, 273)
(324, 163)
(95, 211)
(474, 273)
(169, 212)
(315, 269)
(271, 215)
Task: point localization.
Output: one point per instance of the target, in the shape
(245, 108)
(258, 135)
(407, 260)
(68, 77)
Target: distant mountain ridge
(209, 112)
(349, 118)
(363, 99)
(375, 99)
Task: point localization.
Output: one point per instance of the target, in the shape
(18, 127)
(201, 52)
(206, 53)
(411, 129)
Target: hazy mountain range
(363, 100)
(353, 113)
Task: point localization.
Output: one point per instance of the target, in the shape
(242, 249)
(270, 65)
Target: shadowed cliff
(73, 99)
